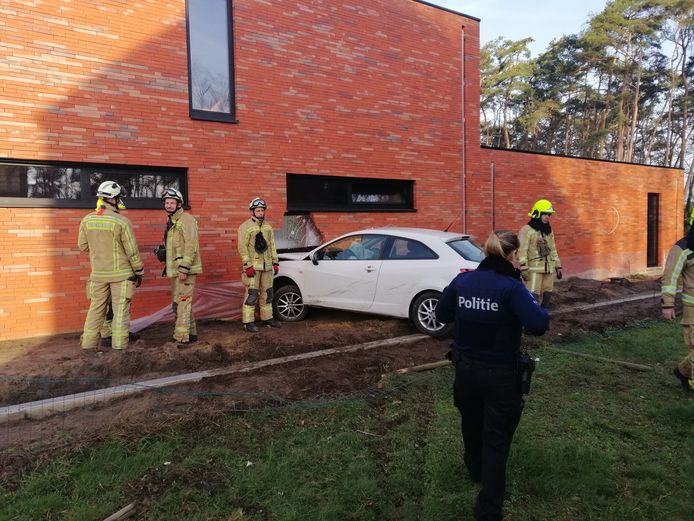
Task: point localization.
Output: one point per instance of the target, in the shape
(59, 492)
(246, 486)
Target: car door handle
(370, 268)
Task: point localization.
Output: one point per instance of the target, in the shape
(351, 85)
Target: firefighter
(538, 255)
(256, 243)
(680, 263)
(183, 264)
(116, 267)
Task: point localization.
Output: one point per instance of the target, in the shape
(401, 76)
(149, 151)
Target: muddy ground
(39, 368)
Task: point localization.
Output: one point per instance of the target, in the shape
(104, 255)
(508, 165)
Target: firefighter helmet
(540, 207)
(172, 193)
(257, 203)
(110, 190)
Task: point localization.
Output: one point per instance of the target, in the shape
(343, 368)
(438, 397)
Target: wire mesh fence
(30, 427)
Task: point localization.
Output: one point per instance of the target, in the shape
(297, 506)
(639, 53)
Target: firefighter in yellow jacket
(256, 243)
(539, 260)
(116, 267)
(183, 264)
(680, 264)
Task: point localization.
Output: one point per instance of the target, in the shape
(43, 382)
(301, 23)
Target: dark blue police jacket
(490, 307)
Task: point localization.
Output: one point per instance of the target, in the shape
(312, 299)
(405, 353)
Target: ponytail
(501, 243)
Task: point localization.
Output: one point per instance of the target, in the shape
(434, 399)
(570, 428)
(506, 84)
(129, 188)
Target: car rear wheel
(423, 316)
(288, 304)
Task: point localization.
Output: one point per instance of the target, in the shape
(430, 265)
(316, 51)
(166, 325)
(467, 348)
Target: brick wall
(601, 207)
(367, 88)
(330, 87)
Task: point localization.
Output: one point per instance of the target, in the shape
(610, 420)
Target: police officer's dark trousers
(490, 405)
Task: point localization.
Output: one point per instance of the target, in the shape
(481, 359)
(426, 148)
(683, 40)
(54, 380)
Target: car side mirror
(314, 258)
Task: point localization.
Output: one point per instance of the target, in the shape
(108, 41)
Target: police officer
(116, 267)
(539, 260)
(680, 263)
(490, 307)
(183, 264)
(256, 243)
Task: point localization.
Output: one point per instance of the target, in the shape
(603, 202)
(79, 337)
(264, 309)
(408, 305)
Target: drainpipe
(462, 125)
(491, 184)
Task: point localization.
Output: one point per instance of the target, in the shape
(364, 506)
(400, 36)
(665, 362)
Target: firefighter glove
(138, 281)
(559, 275)
(275, 268)
(250, 272)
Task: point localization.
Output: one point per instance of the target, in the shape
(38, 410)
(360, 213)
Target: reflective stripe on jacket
(247, 232)
(529, 254)
(182, 245)
(679, 264)
(111, 244)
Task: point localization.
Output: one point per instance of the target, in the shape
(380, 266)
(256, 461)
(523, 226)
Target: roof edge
(447, 10)
(502, 149)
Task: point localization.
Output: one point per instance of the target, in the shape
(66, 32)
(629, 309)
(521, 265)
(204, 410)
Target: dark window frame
(653, 230)
(341, 190)
(87, 198)
(207, 115)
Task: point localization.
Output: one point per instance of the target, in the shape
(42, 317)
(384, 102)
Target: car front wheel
(423, 316)
(288, 304)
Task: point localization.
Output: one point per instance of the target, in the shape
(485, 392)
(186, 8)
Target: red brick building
(359, 112)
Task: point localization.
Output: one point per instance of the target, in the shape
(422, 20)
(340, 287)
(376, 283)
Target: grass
(596, 442)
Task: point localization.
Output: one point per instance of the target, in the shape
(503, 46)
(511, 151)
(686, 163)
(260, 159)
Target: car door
(405, 263)
(346, 273)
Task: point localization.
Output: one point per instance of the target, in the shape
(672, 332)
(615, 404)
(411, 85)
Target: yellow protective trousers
(539, 283)
(182, 296)
(686, 365)
(258, 291)
(119, 294)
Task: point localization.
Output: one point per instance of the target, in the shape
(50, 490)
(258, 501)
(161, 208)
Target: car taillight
(465, 270)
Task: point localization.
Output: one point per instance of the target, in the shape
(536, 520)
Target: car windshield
(467, 249)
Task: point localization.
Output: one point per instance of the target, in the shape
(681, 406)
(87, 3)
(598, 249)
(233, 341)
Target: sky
(543, 20)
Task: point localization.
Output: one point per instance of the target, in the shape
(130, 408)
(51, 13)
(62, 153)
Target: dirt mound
(34, 369)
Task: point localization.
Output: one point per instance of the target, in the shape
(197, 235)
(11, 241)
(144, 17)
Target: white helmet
(257, 203)
(172, 193)
(110, 190)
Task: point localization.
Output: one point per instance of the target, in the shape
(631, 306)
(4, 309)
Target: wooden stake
(628, 365)
(123, 513)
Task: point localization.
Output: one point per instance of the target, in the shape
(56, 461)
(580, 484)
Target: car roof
(415, 233)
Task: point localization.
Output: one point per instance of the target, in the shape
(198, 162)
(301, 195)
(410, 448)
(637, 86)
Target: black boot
(272, 323)
(546, 299)
(686, 382)
(250, 327)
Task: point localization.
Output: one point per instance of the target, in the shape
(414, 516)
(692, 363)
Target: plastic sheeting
(223, 300)
(220, 300)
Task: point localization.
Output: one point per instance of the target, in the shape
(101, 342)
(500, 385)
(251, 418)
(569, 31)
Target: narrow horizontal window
(307, 193)
(74, 185)
(210, 59)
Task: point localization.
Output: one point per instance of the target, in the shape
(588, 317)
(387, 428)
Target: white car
(397, 272)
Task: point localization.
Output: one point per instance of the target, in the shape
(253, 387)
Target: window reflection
(209, 44)
(75, 185)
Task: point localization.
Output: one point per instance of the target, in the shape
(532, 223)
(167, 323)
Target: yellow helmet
(540, 207)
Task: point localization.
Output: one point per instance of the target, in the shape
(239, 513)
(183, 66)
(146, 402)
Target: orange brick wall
(601, 207)
(330, 87)
(368, 88)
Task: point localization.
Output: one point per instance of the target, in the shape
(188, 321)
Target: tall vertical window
(210, 55)
(652, 235)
